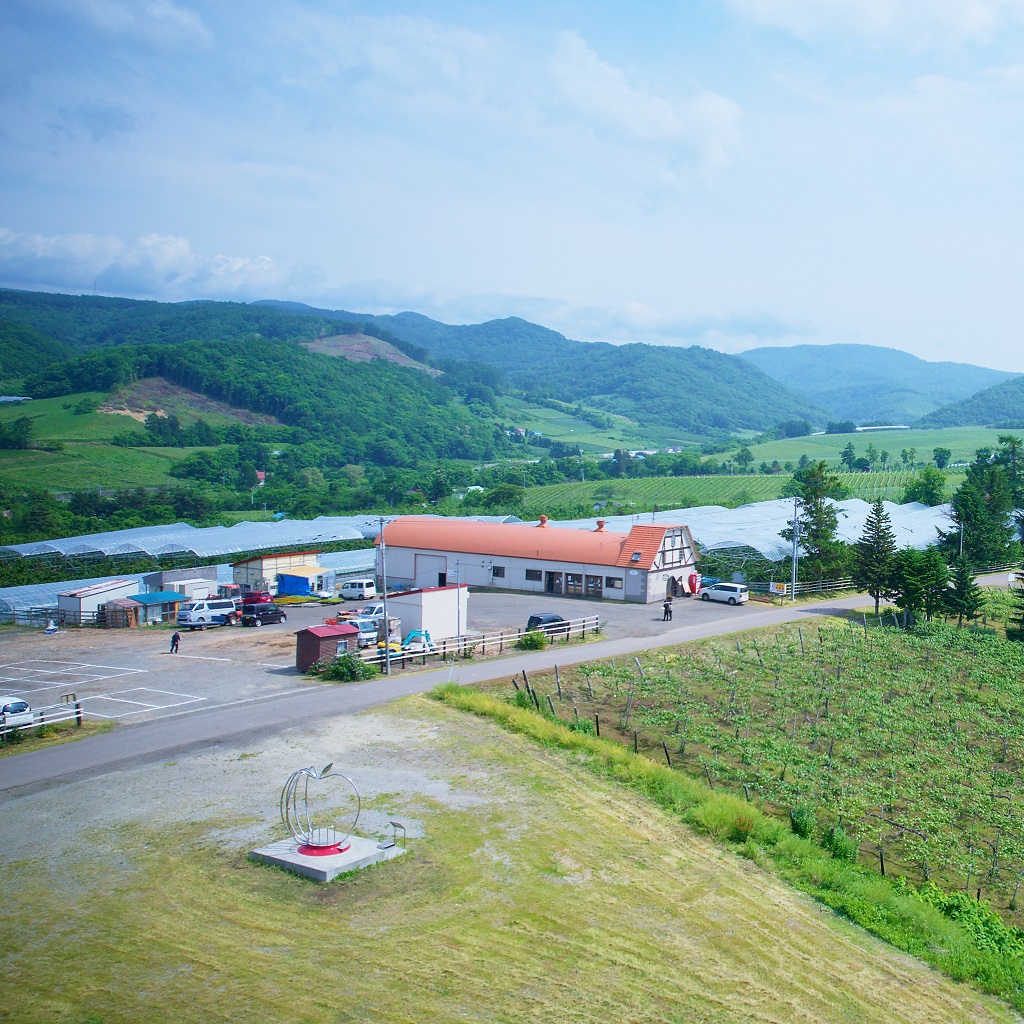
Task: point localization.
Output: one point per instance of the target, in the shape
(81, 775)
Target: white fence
(469, 645)
(69, 709)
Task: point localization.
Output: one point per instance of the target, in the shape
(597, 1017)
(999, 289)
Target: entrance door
(552, 582)
(442, 579)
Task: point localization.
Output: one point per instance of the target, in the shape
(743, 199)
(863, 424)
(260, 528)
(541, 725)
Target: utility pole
(796, 546)
(384, 591)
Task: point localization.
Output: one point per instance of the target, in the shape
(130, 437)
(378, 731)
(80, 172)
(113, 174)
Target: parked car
(15, 712)
(262, 614)
(548, 622)
(357, 590)
(208, 611)
(257, 597)
(367, 631)
(730, 593)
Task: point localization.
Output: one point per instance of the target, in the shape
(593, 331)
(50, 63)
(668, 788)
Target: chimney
(543, 521)
(600, 526)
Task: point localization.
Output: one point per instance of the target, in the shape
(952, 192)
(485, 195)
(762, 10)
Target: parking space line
(200, 657)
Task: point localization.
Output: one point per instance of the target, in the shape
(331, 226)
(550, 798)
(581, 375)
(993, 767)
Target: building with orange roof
(643, 565)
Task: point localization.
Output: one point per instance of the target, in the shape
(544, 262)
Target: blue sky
(730, 174)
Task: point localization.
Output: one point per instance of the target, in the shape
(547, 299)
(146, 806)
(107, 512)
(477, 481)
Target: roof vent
(543, 521)
(600, 526)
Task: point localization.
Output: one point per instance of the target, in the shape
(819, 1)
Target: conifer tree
(1015, 627)
(964, 599)
(875, 556)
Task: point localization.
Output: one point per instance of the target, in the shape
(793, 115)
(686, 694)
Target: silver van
(212, 611)
(357, 590)
(730, 593)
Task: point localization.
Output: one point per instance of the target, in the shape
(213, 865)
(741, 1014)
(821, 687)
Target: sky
(724, 173)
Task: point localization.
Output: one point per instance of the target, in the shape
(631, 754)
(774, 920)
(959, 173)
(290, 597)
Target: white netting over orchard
(758, 526)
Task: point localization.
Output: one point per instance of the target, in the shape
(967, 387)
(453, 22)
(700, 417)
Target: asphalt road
(205, 725)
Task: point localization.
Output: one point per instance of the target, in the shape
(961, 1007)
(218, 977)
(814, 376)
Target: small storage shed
(88, 605)
(440, 611)
(122, 612)
(161, 606)
(324, 642)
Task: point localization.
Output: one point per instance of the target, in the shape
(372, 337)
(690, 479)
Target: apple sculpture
(315, 839)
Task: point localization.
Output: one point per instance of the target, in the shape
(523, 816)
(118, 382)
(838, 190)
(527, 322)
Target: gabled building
(642, 566)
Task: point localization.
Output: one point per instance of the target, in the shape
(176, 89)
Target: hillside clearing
(533, 890)
(156, 395)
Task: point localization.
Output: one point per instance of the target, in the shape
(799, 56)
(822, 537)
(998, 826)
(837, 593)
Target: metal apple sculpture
(314, 839)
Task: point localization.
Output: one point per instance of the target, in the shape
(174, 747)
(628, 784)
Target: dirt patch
(156, 395)
(361, 348)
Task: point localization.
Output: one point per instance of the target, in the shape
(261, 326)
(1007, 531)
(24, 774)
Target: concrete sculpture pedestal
(361, 853)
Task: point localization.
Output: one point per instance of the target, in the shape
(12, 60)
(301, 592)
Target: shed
(88, 604)
(195, 582)
(121, 612)
(261, 573)
(161, 606)
(440, 611)
(324, 642)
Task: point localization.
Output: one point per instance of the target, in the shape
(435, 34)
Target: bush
(839, 844)
(583, 725)
(348, 668)
(535, 640)
(803, 820)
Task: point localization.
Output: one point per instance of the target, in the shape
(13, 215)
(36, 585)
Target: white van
(730, 593)
(357, 590)
(213, 611)
(367, 631)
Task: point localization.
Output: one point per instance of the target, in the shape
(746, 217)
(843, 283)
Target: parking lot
(130, 675)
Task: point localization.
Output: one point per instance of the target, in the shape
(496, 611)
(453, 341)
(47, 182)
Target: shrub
(348, 668)
(535, 640)
(803, 820)
(839, 844)
(583, 725)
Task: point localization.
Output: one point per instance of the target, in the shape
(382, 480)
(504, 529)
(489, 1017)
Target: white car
(15, 712)
(729, 593)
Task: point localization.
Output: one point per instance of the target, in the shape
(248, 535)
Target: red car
(257, 597)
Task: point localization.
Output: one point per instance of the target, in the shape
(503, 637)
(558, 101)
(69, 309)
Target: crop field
(961, 441)
(729, 491)
(913, 743)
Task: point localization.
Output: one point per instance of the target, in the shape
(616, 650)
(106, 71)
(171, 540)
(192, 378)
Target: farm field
(54, 419)
(643, 493)
(532, 890)
(961, 441)
(83, 465)
(913, 743)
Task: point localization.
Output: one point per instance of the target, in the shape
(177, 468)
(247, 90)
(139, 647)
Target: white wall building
(441, 611)
(642, 565)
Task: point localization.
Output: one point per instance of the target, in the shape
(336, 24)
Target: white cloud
(154, 21)
(913, 23)
(159, 266)
(706, 121)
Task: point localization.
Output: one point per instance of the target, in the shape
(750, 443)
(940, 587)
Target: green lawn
(53, 419)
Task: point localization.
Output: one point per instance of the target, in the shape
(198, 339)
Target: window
(613, 582)
(593, 586)
(636, 556)
(574, 584)
(498, 572)
(535, 575)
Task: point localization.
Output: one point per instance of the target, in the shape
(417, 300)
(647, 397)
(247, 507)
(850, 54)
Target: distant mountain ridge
(697, 389)
(871, 383)
(998, 406)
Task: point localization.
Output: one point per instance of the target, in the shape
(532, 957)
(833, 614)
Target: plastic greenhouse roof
(758, 525)
(44, 595)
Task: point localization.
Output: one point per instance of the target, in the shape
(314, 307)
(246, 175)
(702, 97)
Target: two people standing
(666, 614)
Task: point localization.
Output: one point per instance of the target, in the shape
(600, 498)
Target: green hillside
(1000, 406)
(696, 390)
(872, 384)
(23, 350)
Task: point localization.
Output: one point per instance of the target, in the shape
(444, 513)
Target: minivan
(357, 590)
(262, 614)
(730, 593)
(211, 611)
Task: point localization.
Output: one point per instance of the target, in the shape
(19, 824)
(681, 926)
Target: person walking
(175, 640)
(666, 610)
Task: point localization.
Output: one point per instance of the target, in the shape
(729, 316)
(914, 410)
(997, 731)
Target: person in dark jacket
(175, 640)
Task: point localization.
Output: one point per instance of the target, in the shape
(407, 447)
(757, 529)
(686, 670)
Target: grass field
(729, 491)
(83, 465)
(538, 891)
(961, 441)
(53, 419)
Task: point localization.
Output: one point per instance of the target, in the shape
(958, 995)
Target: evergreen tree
(824, 555)
(964, 599)
(875, 555)
(1015, 627)
(982, 511)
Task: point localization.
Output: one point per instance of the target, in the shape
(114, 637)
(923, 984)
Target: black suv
(548, 622)
(262, 614)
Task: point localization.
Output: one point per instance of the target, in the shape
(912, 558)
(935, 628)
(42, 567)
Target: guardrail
(806, 587)
(52, 714)
(470, 644)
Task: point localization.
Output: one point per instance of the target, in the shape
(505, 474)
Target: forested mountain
(999, 406)
(869, 383)
(697, 389)
(377, 413)
(24, 349)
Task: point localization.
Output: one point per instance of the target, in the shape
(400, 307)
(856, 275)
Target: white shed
(441, 611)
(79, 607)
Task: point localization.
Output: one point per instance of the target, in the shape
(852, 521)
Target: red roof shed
(316, 643)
